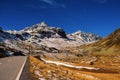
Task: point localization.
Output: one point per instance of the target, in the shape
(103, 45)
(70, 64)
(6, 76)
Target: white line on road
(19, 74)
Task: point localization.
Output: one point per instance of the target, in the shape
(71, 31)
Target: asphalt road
(26, 71)
(12, 67)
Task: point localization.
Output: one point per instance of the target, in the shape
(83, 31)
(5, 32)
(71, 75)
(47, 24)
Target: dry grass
(40, 70)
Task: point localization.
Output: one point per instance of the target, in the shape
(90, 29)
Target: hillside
(101, 56)
(107, 46)
(112, 40)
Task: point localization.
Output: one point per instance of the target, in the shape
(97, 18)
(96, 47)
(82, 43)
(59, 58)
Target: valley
(55, 55)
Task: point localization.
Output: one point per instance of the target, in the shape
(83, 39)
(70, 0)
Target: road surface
(12, 67)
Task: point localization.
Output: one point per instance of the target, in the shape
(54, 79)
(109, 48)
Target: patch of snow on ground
(69, 65)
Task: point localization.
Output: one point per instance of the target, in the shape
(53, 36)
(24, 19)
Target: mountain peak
(43, 24)
(78, 32)
(36, 27)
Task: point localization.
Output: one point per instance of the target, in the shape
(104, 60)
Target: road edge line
(19, 74)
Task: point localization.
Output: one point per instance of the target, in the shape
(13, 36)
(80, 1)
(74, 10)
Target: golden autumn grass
(54, 72)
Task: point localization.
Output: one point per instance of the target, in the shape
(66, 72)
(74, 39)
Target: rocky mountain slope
(9, 45)
(44, 36)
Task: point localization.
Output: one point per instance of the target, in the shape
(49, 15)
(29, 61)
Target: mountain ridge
(43, 35)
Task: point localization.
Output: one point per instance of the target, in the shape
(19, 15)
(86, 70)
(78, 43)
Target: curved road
(12, 67)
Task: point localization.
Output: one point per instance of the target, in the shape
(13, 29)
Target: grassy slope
(51, 72)
(109, 46)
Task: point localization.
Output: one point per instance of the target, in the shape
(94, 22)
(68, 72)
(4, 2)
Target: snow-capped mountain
(81, 36)
(43, 34)
(42, 31)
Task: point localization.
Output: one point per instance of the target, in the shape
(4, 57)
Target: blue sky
(97, 16)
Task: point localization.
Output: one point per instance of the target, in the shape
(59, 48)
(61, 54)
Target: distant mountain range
(43, 31)
(44, 35)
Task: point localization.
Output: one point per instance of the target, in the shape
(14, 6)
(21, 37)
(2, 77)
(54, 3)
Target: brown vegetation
(40, 70)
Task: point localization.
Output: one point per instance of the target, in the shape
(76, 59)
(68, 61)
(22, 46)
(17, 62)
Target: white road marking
(19, 74)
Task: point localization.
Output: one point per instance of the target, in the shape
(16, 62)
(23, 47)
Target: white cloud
(53, 3)
(101, 1)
